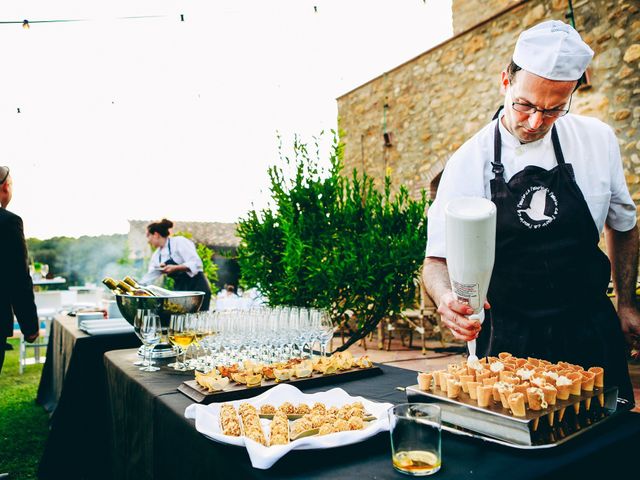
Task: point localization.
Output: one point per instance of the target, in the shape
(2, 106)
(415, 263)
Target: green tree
(334, 242)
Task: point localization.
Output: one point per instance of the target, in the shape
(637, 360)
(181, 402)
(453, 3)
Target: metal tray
(236, 391)
(495, 424)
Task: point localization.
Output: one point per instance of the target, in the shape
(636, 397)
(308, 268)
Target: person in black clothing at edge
(176, 257)
(557, 182)
(16, 287)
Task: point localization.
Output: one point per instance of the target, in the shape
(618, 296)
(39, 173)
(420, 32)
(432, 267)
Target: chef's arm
(622, 248)
(435, 276)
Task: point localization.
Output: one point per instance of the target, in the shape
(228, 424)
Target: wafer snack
(516, 403)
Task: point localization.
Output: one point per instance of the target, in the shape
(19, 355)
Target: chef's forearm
(435, 276)
(622, 248)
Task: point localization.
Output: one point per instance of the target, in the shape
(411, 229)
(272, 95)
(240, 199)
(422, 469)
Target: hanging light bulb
(25, 24)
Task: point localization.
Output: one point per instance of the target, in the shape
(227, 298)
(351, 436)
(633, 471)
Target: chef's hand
(630, 322)
(168, 269)
(454, 315)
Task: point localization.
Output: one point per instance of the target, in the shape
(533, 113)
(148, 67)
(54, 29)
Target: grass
(23, 423)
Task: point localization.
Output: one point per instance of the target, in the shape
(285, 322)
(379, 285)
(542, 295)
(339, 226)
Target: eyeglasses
(529, 109)
(6, 175)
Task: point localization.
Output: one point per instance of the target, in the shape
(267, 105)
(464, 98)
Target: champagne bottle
(112, 285)
(159, 291)
(133, 291)
(136, 286)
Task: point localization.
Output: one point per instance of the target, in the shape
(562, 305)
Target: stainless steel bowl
(181, 302)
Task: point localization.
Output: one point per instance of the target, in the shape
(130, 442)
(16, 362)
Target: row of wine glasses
(263, 334)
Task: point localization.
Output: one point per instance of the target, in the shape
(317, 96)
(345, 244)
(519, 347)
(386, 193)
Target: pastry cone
(424, 381)
(443, 381)
(504, 355)
(484, 395)
(516, 404)
(489, 380)
(436, 378)
(520, 362)
(453, 387)
(495, 392)
(473, 389)
(512, 379)
(576, 382)
(522, 388)
(588, 379)
(561, 414)
(504, 396)
(550, 394)
(464, 380)
(563, 391)
(536, 398)
(599, 376)
(480, 376)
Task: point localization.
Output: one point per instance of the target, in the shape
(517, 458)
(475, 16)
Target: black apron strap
(497, 167)
(556, 146)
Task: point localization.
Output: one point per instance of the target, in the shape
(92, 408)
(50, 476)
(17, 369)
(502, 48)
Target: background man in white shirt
(557, 182)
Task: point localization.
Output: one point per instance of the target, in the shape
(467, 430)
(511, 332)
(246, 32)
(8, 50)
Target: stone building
(220, 237)
(412, 118)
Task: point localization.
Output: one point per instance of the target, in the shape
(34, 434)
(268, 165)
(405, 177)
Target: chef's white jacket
(183, 252)
(588, 144)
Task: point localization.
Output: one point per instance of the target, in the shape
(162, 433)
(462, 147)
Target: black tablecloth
(74, 387)
(154, 440)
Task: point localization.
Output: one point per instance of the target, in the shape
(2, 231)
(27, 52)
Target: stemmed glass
(147, 327)
(44, 270)
(325, 331)
(182, 333)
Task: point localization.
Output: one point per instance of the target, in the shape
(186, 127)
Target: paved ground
(412, 359)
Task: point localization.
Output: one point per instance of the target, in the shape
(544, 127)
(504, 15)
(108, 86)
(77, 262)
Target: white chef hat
(552, 50)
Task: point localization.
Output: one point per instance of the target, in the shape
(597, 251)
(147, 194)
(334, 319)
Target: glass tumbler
(415, 438)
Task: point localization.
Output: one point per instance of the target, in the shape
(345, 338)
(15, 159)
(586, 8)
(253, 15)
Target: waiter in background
(16, 287)
(557, 182)
(177, 258)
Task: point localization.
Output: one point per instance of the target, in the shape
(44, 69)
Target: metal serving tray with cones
(538, 429)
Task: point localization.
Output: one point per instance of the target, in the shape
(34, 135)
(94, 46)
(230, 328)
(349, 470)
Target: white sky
(151, 118)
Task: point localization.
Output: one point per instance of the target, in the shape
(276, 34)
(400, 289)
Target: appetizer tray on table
(495, 424)
(520, 403)
(249, 379)
(284, 419)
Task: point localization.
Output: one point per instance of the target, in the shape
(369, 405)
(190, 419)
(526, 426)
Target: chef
(177, 258)
(557, 182)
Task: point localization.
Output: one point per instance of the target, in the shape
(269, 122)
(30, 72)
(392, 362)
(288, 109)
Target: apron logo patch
(538, 207)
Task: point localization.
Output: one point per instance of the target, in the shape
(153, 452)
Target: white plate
(208, 422)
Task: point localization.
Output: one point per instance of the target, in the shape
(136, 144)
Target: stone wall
(467, 14)
(216, 235)
(442, 97)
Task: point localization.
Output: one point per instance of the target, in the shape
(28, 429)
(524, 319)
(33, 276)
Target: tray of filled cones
(521, 403)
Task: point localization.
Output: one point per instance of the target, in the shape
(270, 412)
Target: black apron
(183, 282)
(548, 287)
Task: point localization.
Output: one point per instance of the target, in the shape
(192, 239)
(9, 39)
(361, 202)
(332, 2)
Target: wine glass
(182, 333)
(326, 330)
(148, 328)
(44, 270)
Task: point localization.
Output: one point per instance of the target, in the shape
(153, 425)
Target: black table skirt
(168, 446)
(74, 386)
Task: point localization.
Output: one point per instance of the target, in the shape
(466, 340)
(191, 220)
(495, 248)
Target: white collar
(513, 142)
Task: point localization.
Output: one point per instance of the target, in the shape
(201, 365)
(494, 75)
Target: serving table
(74, 390)
(152, 439)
